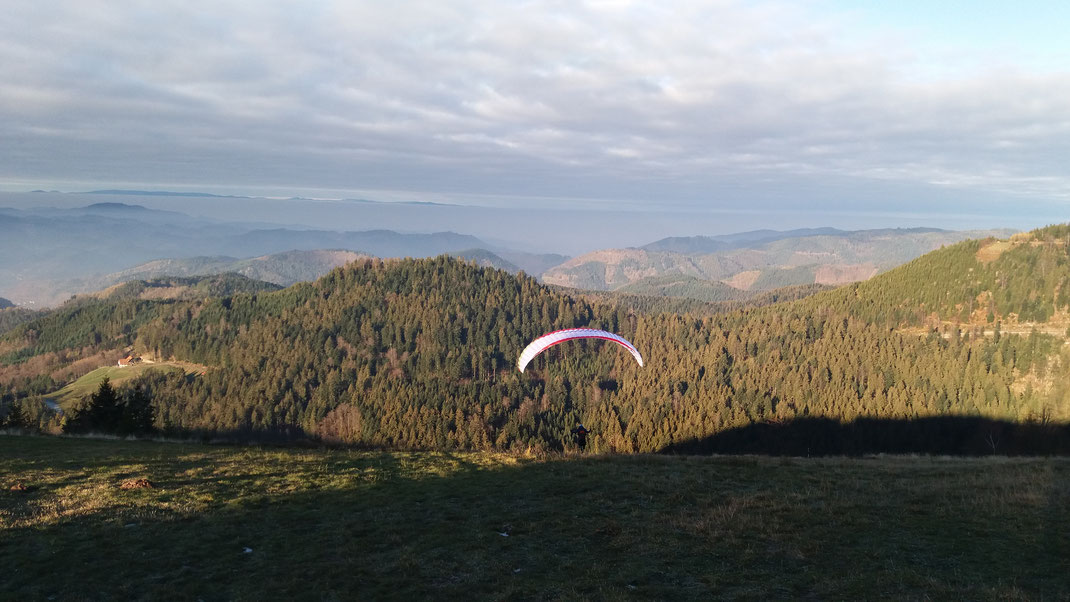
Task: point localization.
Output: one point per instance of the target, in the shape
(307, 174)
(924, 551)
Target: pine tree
(102, 414)
(16, 417)
(136, 417)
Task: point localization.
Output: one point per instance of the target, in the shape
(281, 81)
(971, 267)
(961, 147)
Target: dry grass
(249, 523)
(74, 393)
(743, 280)
(991, 252)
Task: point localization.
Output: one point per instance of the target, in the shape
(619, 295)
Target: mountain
(665, 296)
(216, 285)
(380, 243)
(532, 263)
(418, 354)
(162, 193)
(47, 250)
(1021, 283)
(117, 208)
(486, 259)
(283, 269)
(723, 295)
(167, 193)
(761, 260)
(704, 245)
(10, 317)
(680, 285)
(43, 245)
(613, 268)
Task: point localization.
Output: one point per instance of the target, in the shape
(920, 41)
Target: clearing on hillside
(85, 386)
(991, 252)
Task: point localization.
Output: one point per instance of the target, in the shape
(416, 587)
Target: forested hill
(1021, 281)
(192, 287)
(10, 317)
(767, 261)
(418, 354)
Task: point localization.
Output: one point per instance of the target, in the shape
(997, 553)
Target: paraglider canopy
(560, 336)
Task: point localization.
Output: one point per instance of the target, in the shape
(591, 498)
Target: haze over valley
(56, 252)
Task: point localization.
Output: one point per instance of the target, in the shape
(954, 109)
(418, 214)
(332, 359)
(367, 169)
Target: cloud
(680, 102)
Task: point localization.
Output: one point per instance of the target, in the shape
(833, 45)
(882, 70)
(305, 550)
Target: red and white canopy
(560, 336)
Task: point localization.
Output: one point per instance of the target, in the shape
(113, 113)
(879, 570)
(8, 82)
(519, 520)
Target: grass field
(85, 386)
(243, 523)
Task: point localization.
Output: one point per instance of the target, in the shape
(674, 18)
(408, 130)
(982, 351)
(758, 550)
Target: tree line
(419, 354)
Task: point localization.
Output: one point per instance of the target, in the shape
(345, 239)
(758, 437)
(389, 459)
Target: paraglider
(560, 336)
(581, 433)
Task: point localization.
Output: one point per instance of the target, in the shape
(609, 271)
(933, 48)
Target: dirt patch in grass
(842, 274)
(991, 252)
(743, 280)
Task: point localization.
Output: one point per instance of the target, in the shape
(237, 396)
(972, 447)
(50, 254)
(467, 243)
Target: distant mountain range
(282, 269)
(164, 193)
(197, 287)
(753, 261)
(700, 245)
(170, 193)
(49, 254)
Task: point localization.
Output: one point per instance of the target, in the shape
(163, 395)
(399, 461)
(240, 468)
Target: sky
(818, 107)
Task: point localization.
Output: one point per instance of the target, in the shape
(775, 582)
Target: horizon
(814, 109)
(566, 231)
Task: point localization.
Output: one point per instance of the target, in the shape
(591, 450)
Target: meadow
(254, 523)
(74, 393)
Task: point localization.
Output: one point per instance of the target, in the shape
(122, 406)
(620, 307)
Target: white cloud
(612, 99)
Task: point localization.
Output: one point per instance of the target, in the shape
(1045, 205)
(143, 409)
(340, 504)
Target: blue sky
(947, 108)
(1033, 33)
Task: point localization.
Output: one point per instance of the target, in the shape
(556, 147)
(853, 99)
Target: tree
(102, 414)
(136, 416)
(16, 417)
(342, 425)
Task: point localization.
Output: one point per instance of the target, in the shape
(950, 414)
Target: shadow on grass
(941, 435)
(455, 526)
